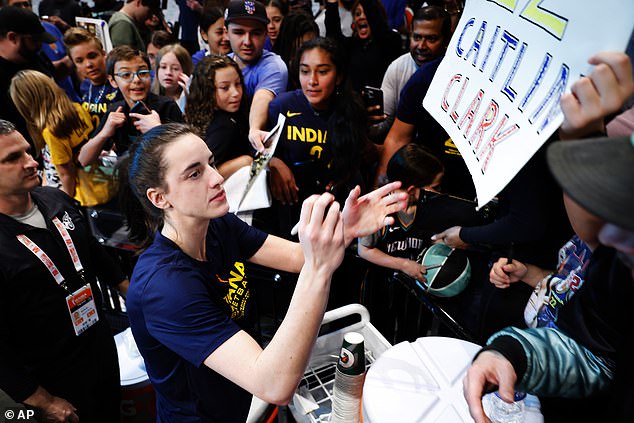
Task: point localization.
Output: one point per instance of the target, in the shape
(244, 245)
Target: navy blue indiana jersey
(302, 144)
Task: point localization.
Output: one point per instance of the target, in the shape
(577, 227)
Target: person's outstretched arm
(542, 361)
(273, 374)
(361, 216)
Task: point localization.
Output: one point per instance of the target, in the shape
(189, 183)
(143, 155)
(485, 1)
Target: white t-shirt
(345, 16)
(395, 78)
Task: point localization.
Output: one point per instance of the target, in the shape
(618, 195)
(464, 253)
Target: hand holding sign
(600, 94)
(498, 88)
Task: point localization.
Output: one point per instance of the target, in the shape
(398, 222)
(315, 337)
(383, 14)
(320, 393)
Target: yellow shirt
(66, 150)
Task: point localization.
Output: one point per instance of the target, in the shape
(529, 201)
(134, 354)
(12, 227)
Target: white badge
(82, 309)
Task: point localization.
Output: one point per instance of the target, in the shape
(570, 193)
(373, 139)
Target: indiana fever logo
(238, 291)
(307, 135)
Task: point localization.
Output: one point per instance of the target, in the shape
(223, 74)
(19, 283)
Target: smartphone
(140, 108)
(373, 97)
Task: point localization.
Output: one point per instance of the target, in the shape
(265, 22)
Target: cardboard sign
(99, 28)
(497, 90)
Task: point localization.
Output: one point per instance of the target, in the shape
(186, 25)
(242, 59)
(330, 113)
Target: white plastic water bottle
(503, 412)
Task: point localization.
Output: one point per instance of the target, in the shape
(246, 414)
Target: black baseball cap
(598, 174)
(23, 22)
(246, 10)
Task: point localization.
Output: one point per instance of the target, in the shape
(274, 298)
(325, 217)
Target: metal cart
(316, 386)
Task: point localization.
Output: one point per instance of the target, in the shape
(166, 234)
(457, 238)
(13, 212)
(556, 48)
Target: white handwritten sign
(497, 90)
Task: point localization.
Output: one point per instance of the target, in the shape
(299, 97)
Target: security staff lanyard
(81, 303)
(46, 260)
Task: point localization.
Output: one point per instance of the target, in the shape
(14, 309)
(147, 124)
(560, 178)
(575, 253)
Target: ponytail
(142, 169)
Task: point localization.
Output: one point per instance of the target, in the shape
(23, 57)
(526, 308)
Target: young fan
(214, 33)
(323, 146)
(397, 246)
(276, 11)
(173, 68)
(216, 108)
(158, 40)
(59, 127)
(138, 112)
(87, 54)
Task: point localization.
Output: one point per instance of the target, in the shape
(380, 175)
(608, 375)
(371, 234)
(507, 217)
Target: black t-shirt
(598, 315)
(457, 180)
(302, 143)
(40, 346)
(227, 136)
(530, 215)
(127, 134)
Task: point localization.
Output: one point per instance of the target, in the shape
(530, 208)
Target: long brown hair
(201, 100)
(43, 104)
(183, 57)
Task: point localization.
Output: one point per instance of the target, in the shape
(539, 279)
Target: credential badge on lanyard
(81, 303)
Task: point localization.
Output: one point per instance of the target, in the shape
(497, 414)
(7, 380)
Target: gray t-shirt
(123, 31)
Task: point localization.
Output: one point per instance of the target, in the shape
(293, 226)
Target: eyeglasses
(143, 74)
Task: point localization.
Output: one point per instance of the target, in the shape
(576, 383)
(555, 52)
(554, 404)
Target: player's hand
(321, 233)
(366, 215)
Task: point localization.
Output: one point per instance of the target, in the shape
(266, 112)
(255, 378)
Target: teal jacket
(551, 363)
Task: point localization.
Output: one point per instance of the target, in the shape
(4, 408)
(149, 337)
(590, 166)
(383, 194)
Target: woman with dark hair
(276, 11)
(373, 45)
(158, 40)
(297, 28)
(214, 33)
(189, 300)
(323, 146)
(216, 107)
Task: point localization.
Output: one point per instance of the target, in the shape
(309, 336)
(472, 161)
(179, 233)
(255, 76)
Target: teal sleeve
(556, 365)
